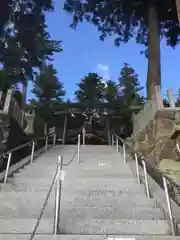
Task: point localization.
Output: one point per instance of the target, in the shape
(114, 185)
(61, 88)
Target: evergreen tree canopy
(143, 20)
(48, 91)
(12, 9)
(47, 88)
(90, 89)
(130, 87)
(125, 19)
(25, 43)
(111, 92)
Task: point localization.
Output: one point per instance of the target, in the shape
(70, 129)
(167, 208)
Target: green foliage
(47, 87)
(111, 92)
(48, 91)
(5, 81)
(124, 94)
(126, 19)
(25, 43)
(129, 95)
(90, 89)
(11, 10)
(146, 21)
(130, 87)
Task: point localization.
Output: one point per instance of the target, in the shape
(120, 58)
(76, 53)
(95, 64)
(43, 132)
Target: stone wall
(159, 136)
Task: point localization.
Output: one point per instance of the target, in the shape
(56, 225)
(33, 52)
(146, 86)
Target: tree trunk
(178, 9)
(154, 58)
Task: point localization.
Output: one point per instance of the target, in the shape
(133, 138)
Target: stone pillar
(170, 98)
(7, 101)
(158, 97)
(30, 123)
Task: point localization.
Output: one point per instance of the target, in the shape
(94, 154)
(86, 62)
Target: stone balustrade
(155, 124)
(10, 107)
(30, 122)
(147, 114)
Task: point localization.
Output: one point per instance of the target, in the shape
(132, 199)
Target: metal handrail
(79, 145)
(147, 162)
(144, 163)
(58, 180)
(31, 143)
(46, 201)
(178, 147)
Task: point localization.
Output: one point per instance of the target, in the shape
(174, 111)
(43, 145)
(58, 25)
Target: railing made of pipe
(164, 181)
(57, 179)
(32, 144)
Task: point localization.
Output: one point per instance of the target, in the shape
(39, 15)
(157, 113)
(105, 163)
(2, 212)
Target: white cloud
(103, 67)
(103, 70)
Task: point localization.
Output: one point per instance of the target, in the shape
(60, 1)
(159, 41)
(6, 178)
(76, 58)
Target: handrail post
(124, 153)
(137, 168)
(58, 196)
(169, 206)
(177, 147)
(112, 140)
(79, 143)
(84, 132)
(46, 143)
(7, 167)
(146, 179)
(117, 144)
(54, 139)
(32, 151)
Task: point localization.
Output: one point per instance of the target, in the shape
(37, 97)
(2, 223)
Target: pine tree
(90, 89)
(130, 87)
(49, 92)
(129, 92)
(111, 92)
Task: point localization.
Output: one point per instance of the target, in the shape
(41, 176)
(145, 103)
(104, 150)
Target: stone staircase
(100, 199)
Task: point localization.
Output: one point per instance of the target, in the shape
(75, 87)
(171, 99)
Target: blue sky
(84, 52)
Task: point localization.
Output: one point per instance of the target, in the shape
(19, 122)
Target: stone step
(25, 204)
(74, 211)
(111, 201)
(140, 213)
(103, 193)
(29, 204)
(35, 173)
(37, 185)
(24, 187)
(102, 184)
(81, 182)
(93, 182)
(26, 180)
(29, 199)
(81, 167)
(85, 237)
(23, 212)
(44, 183)
(110, 226)
(101, 166)
(97, 174)
(25, 226)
